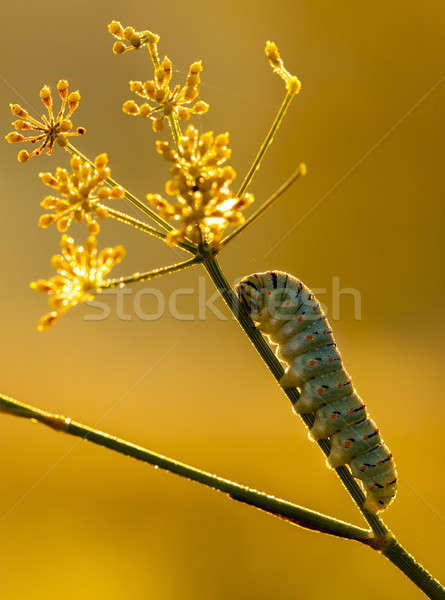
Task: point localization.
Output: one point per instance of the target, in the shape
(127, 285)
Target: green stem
(137, 224)
(176, 130)
(135, 201)
(298, 515)
(418, 575)
(137, 277)
(301, 171)
(267, 142)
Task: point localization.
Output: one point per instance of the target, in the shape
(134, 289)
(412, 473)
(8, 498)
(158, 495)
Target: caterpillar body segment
(291, 317)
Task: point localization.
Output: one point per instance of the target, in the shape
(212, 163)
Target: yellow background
(78, 521)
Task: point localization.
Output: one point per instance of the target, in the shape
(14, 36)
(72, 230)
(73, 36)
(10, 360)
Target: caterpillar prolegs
(289, 314)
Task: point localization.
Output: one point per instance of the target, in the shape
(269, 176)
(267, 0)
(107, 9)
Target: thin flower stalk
(300, 172)
(293, 87)
(138, 277)
(298, 515)
(137, 224)
(152, 47)
(130, 197)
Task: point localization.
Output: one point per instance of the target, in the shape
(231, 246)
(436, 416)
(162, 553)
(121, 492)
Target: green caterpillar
(289, 314)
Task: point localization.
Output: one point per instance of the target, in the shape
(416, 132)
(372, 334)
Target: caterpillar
(289, 314)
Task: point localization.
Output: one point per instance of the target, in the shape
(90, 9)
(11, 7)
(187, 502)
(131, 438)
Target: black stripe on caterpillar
(290, 316)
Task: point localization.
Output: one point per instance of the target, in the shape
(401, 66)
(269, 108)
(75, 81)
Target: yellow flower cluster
(128, 38)
(50, 129)
(81, 194)
(80, 271)
(205, 205)
(293, 84)
(163, 102)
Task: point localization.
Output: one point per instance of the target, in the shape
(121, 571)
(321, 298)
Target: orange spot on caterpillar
(311, 363)
(269, 293)
(309, 337)
(300, 319)
(287, 303)
(330, 359)
(333, 416)
(379, 462)
(363, 468)
(324, 331)
(320, 390)
(372, 487)
(350, 411)
(365, 437)
(347, 444)
(339, 385)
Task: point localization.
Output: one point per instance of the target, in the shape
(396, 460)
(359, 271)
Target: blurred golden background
(79, 521)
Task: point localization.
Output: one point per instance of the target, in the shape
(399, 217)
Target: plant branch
(137, 224)
(136, 277)
(132, 199)
(298, 515)
(300, 172)
(398, 556)
(267, 142)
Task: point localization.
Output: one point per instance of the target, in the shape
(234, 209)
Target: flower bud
(119, 48)
(116, 29)
(23, 156)
(45, 96)
(130, 108)
(46, 220)
(13, 137)
(62, 88)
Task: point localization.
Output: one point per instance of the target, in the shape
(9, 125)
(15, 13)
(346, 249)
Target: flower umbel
(81, 194)
(51, 128)
(80, 271)
(129, 38)
(163, 102)
(205, 205)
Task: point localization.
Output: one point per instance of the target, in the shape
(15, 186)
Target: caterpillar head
(271, 298)
(251, 297)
